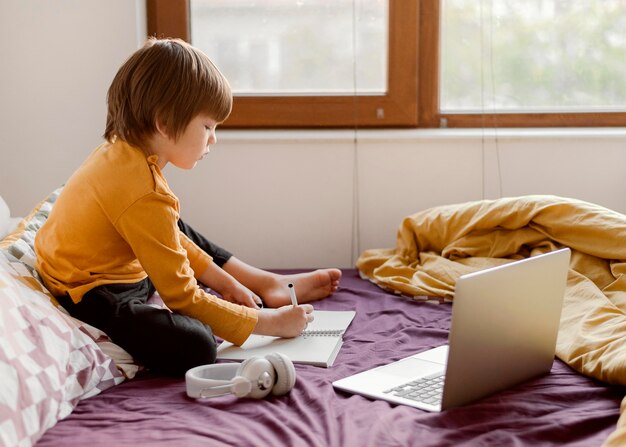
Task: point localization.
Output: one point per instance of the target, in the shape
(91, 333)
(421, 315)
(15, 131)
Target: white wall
(283, 199)
(277, 199)
(57, 59)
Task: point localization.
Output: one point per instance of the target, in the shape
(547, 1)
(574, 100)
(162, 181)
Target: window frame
(412, 97)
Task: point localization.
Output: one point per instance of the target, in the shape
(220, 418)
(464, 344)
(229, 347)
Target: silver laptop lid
(504, 326)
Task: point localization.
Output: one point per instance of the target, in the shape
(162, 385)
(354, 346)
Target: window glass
(303, 47)
(533, 55)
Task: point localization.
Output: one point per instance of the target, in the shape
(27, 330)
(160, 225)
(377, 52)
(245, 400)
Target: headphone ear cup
(261, 375)
(285, 373)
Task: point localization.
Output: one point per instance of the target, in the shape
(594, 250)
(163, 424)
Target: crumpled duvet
(434, 247)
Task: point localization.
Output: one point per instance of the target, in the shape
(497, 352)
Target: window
(533, 62)
(312, 47)
(410, 63)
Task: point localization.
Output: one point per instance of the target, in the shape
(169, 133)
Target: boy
(114, 235)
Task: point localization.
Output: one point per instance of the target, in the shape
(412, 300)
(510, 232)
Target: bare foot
(309, 286)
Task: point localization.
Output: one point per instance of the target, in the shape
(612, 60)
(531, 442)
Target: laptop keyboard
(428, 389)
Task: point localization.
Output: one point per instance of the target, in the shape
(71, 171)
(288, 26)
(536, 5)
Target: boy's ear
(160, 127)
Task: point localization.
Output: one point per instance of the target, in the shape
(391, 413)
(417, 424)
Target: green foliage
(533, 55)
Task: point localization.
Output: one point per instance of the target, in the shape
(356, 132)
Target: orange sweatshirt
(116, 222)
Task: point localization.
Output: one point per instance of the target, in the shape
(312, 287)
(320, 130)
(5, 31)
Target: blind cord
(493, 98)
(355, 246)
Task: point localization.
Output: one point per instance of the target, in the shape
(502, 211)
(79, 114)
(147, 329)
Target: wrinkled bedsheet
(435, 246)
(562, 408)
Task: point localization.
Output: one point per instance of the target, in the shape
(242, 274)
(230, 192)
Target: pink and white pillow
(47, 363)
(48, 360)
(19, 245)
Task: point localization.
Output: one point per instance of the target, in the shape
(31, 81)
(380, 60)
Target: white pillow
(6, 223)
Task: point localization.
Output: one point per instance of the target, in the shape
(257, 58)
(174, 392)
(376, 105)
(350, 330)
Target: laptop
(503, 332)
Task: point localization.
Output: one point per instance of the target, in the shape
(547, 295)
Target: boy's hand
(228, 287)
(239, 294)
(287, 321)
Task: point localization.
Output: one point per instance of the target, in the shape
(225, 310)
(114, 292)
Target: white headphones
(255, 378)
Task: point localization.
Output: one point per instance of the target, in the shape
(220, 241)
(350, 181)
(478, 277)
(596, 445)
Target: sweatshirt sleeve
(199, 260)
(149, 226)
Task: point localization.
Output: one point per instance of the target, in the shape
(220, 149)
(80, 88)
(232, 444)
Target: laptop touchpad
(411, 368)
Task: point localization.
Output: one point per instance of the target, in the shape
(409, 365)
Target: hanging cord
(482, 100)
(493, 100)
(355, 246)
(493, 96)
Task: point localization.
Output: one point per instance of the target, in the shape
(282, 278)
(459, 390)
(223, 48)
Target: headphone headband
(210, 380)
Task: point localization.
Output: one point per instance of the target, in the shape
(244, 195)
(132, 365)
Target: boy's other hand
(239, 294)
(228, 287)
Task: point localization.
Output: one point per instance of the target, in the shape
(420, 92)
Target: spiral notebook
(318, 345)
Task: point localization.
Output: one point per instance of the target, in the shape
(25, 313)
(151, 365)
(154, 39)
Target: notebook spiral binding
(327, 333)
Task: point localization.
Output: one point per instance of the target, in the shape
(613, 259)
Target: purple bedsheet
(562, 408)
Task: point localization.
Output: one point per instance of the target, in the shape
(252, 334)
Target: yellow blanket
(434, 247)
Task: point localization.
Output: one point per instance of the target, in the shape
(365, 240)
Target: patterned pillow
(47, 363)
(20, 246)
(21, 243)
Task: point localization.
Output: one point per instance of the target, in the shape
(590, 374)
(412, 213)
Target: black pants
(160, 340)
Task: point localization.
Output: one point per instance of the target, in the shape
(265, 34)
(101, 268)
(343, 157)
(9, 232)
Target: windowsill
(348, 135)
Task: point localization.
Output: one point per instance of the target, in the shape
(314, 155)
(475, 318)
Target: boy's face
(193, 144)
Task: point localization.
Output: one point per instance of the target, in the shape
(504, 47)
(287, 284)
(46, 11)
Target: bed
(564, 407)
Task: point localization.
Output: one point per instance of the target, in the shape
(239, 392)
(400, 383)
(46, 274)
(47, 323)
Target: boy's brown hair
(166, 80)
